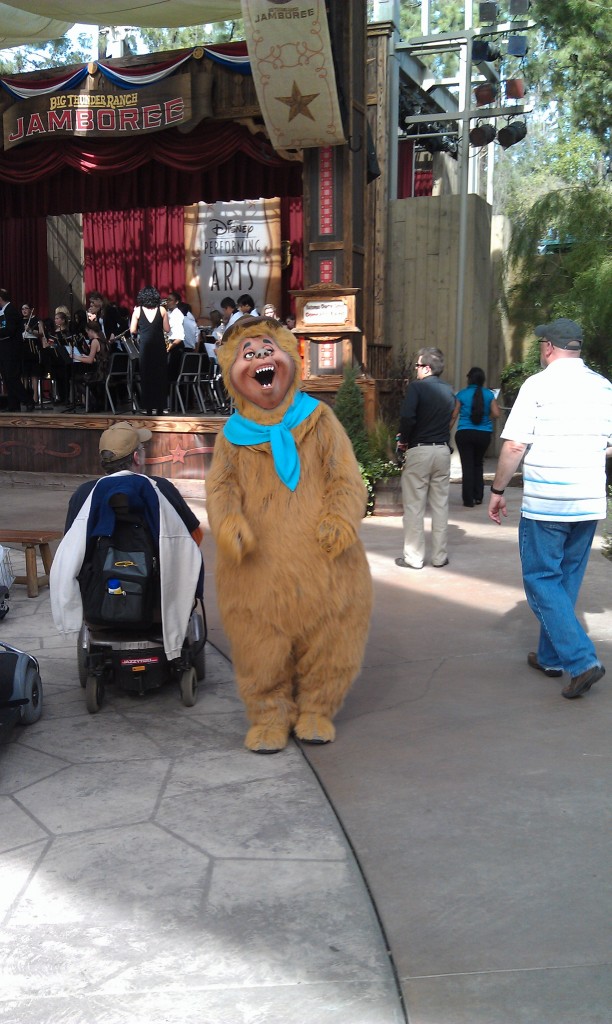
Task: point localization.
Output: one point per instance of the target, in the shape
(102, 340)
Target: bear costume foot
(313, 728)
(267, 739)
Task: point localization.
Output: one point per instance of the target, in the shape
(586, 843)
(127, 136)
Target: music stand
(71, 340)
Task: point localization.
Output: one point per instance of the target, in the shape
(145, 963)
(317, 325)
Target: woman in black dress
(32, 346)
(149, 321)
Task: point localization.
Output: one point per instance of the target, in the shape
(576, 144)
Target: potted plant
(383, 470)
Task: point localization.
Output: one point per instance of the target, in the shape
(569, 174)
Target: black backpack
(119, 578)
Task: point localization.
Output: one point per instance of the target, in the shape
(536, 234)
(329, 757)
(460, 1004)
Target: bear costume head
(261, 368)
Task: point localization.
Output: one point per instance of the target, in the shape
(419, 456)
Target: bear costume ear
(248, 327)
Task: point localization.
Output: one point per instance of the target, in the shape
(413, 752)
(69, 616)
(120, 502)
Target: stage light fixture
(512, 133)
(481, 50)
(514, 88)
(482, 135)
(488, 12)
(519, 7)
(485, 93)
(517, 46)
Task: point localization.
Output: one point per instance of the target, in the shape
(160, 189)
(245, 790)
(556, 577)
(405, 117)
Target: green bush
(350, 409)
(374, 451)
(514, 376)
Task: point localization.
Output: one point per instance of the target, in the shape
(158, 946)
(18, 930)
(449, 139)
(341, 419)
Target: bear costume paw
(335, 535)
(235, 537)
(313, 728)
(267, 739)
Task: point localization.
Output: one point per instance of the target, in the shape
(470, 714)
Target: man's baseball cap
(122, 439)
(561, 333)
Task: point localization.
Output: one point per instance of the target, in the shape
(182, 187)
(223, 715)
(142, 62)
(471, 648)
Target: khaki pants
(426, 476)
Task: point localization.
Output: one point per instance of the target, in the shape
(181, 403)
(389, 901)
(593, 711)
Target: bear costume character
(285, 500)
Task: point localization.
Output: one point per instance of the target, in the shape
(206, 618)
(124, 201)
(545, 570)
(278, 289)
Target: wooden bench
(30, 540)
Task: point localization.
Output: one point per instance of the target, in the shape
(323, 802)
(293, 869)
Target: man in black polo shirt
(426, 417)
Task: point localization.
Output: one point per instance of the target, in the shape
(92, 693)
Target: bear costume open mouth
(264, 375)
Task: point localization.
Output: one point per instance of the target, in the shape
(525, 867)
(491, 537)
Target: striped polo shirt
(564, 414)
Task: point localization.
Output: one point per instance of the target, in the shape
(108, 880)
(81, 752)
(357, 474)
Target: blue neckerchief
(240, 430)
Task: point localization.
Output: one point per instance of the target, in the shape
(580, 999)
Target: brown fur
(293, 582)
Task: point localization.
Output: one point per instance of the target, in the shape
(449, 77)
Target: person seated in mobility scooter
(128, 575)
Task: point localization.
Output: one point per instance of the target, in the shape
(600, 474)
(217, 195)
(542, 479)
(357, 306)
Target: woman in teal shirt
(477, 408)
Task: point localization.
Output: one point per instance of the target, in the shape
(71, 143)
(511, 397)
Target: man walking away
(426, 417)
(561, 423)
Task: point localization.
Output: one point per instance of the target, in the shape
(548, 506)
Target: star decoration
(178, 454)
(298, 103)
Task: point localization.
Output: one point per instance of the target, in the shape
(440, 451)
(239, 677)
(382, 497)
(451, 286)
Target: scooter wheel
(94, 694)
(189, 687)
(32, 711)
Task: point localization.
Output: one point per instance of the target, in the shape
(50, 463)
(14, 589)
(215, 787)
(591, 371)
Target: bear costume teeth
(264, 375)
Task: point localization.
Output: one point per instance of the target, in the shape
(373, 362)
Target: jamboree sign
(99, 114)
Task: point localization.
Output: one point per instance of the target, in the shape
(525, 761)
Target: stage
(67, 443)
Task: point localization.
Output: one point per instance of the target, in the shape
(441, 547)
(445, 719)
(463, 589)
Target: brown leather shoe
(582, 683)
(552, 673)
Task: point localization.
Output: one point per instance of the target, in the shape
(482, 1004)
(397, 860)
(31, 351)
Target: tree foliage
(158, 39)
(56, 53)
(552, 156)
(63, 52)
(577, 281)
(576, 59)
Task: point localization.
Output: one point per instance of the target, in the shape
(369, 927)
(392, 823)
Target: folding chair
(118, 379)
(189, 380)
(215, 388)
(130, 346)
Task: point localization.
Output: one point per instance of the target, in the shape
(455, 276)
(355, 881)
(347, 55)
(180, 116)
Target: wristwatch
(495, 491)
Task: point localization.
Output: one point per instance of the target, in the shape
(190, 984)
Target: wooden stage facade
(67, 443)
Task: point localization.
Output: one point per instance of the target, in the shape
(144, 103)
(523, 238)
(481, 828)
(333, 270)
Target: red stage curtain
(23, 261)
(216, 161)
(126, 250)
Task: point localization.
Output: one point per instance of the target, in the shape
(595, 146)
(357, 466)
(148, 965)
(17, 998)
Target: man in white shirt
(561, 424)
(246, 305)
(229, 311)
(190, 327)
(176, 342)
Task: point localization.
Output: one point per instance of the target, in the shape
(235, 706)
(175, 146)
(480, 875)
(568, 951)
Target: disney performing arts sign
(94, 113)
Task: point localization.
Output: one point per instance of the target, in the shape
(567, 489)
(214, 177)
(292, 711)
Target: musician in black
(11, 344)
(91, 365)
(32, 334)
(56, 358)
(111, 319)
(150, 322)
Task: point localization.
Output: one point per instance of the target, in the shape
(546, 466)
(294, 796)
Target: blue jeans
(554, 557)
